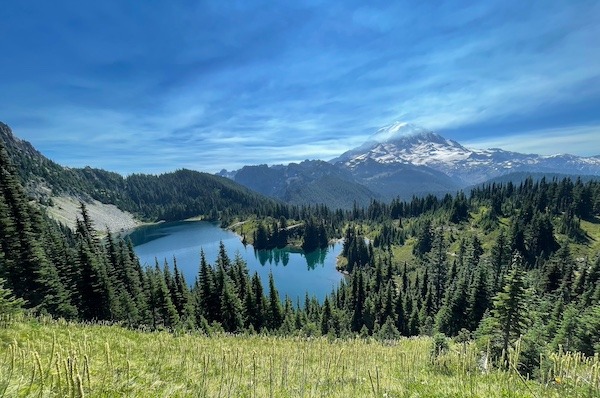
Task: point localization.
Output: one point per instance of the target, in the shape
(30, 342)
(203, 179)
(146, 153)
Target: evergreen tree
(326, 317)
(94, 292)
(567, 330)
(223, 260)
(510, 310)
(231, 308)
(424, 240)
(164, 312)
(451, 317)
(478, 299)
(499, 259)
(261, 237)
(358, 301)
(540, 239)
(283, 233)
(207, 296)
(9, 304)
(133, 283)
(437, 261)
(183, 300)
(258, 313)
(315, 236)
(475, 253)
(460, 209)
(387, 307)
(400, 314)
(388, 331)
(275, 312)
(25, 266)
(587, 336)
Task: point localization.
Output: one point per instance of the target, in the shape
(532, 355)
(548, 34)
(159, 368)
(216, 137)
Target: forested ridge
(168, 196)
(507, 265)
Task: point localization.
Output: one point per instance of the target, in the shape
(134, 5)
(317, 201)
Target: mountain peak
(395, 137)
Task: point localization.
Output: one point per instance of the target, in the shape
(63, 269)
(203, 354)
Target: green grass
(592, 246)
(404, 253)
(49, 358)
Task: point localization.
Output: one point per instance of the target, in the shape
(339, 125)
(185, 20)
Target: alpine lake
(295, 272)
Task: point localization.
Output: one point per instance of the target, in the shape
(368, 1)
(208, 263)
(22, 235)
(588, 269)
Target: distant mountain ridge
(521, 176)
(402, 160)
(310, 181)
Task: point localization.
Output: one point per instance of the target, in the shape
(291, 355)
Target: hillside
(48, 358)
(169, 196)
(403, 180)
(66, 209)
(334, 192)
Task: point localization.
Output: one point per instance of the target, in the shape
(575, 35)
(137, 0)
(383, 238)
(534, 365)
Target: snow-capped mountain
(401, 160)
(403, 143)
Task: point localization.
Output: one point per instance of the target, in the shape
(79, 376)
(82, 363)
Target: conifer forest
(504, 266)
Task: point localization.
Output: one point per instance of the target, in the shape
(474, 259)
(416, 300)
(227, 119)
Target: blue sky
(209, 85)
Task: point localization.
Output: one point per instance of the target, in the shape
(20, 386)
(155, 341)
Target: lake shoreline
(295, 272)
(339, 260)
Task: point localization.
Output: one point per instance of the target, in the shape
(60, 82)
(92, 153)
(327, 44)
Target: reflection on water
(282, 256)
(273, 257)
(316, 258)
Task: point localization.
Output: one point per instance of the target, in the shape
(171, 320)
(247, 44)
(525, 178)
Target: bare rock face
(66, 210)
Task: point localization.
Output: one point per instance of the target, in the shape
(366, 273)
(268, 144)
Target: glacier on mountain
(405, 143)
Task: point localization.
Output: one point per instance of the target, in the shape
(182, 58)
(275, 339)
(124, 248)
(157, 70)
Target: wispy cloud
(219, 85)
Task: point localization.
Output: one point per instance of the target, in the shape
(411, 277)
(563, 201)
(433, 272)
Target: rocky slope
(115, 199)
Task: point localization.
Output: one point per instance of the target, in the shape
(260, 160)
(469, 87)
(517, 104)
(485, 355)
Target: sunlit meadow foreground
(51, 358)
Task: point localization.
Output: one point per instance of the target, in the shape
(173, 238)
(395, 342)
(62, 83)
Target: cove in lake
(295, 272)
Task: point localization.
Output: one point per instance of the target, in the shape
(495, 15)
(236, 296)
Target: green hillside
(48, 358)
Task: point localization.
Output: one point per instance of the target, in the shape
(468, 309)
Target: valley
(300, 199)
(499, 272)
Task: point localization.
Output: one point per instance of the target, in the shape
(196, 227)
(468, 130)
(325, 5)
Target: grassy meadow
(46, 358)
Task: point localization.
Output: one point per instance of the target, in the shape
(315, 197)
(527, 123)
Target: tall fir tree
(275, 312)
(510, 309)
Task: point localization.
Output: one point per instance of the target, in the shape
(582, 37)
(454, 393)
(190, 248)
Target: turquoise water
(295, 273)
